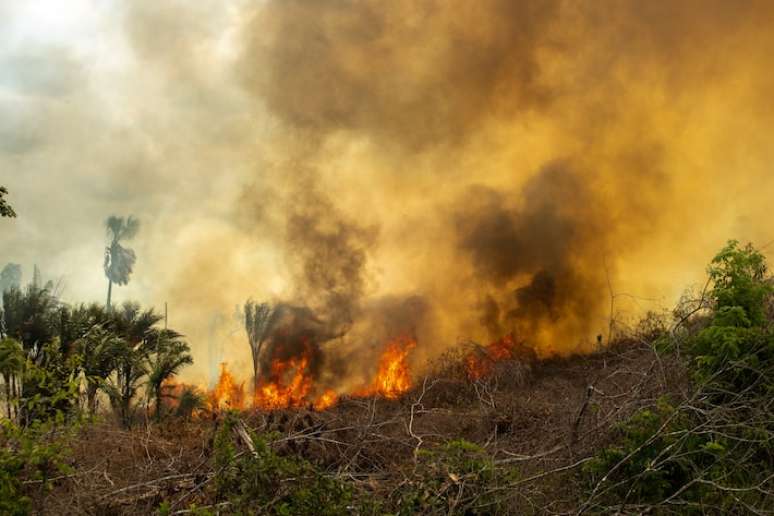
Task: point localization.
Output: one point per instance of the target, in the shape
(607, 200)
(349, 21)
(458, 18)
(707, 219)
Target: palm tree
(5, 208)
(100, 349)
(136, 329)
(170, 355)
(191, 399)
(10, 277)
(12, 360)
(123, 386)
(257, 322)
(119, 260)
(30, 316)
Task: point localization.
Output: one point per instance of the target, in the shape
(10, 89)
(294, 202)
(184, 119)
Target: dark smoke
(533, 253)
(329, 252)
(412, 73)
(294, 331)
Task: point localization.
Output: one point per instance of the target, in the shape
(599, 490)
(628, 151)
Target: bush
(33, 454)
(715, 450)
(456, 477)
(269, 483)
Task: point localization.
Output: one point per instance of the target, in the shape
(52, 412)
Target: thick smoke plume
(537, 256)
(446, 169)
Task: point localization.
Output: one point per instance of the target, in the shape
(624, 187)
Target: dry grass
(543, 418)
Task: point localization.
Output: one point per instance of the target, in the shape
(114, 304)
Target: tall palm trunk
(91, 397)
(158, 403)
(7, 381)
(15, 394)
(110, 291)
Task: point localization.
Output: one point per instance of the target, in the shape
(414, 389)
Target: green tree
(12, 359)
(119, 260)
(711, 450)
(29, 317)
(738, 277)
(100, 349)
(136, 329)
(191, 399)
(170, 355)
(5, 208)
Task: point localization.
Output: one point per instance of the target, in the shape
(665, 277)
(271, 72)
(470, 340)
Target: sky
(505, 165)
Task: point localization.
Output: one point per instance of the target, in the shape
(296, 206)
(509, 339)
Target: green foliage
(457, 476)
(738, 275)
(716, 450)
(269, 483)
(100, 349)
(50, 387)
(33, 455)
(190, 400)
(30, 316)
(168, 356)
(732, 351)
(630, 464)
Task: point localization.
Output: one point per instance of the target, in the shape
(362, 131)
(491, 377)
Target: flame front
(288, 385)
(227, 393)
(393, 377)
(326, 400)
(480, 363)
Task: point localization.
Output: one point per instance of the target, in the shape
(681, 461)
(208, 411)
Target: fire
(326, 400)
(393, 378)
(288, 385)
(227, 393)
(479, 363)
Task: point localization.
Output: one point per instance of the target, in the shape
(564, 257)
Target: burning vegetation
(290, 383)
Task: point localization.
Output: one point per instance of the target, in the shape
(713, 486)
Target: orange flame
(480, 363)
(227, 393)
(326, 400)
(393, 378)
(288, 385)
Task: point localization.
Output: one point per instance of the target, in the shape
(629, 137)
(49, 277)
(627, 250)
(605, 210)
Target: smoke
(538, 256)
(328, 253)
(447, 169)
(414, 74)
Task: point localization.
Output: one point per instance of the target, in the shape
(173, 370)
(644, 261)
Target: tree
(123, 386)
(257, 322)
(100, 349)
(29, 317)
(135, 327)
(12, 361)
(10, 277)
(170, 355)
(5, 208)
(190, 400)
(119, 260)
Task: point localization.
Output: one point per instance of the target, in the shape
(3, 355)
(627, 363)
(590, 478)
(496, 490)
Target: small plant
(457, 476)
(273, 484)
(36, 454)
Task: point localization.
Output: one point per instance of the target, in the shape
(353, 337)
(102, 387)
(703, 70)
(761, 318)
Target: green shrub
(459, 477)
(272, 483)
(35, 454)
(715, 451)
